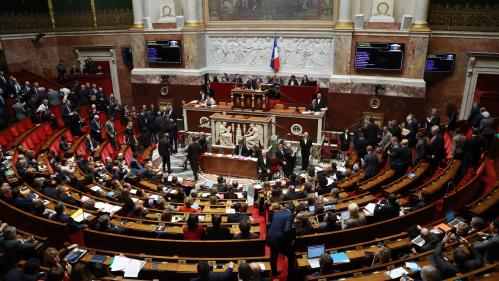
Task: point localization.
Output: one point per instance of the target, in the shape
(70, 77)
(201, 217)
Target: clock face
(375, 103)
(164, 90)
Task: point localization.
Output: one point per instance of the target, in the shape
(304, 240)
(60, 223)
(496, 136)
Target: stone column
(345, 14)
(138, 14)
(421, 15)
(193, 13)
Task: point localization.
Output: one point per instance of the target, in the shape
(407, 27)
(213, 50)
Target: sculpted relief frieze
(255, 52)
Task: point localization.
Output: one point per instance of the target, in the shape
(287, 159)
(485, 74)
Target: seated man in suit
(205, 274)
(104, 224)
(14, 249)
(240, 208)
(251, 83)
(490, 247)
(237, 79)
(216, 231)
(61, 216)
(221, 186)
(241, 149)
(245, 231)
(387, 208)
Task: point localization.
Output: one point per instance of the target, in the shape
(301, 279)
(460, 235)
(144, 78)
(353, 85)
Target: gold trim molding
(420, 27)
(51, 13)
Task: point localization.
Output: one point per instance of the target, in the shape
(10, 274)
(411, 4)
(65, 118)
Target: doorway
(482, 69)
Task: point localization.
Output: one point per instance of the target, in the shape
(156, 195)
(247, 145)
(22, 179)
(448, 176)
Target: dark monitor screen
(440, 63)
(379, 56)
(164, 51)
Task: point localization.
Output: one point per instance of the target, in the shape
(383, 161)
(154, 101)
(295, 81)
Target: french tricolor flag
(274, 61)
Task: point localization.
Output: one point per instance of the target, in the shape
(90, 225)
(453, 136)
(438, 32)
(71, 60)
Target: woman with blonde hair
(355, 219)
(130, 138)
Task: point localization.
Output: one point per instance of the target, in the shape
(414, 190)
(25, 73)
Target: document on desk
(119, 263)
(314, 263)
(133, 268)
(80, 216)
(369, 209)
(396, 273)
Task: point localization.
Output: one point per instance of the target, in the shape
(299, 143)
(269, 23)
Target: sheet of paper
(262, 266)
(133, 268)
(119, 263)
(396, 273)
(369, 209)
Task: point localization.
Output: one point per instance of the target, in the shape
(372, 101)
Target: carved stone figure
(254, 136)
(225, 134)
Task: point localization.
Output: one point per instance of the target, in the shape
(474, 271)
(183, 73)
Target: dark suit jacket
(449, 269)
(434, 121)
(472, 149)
(164, 147)
(371, 163)
(437, 148)
(193, 152)
(320, 104)
(305, 148)
(244, 150)
(282, 222)
(261, 165)
(222, 233)
(386, 211)
(372, 133)
(293, 83)
(213, 276)
(15, 251)
(280, 156)
(66, 117)
(237, 80)
(420, 151)
(489, 248)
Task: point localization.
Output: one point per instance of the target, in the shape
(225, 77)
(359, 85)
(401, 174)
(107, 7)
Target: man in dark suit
(84, 94)
(67, 110)
(164, 148)
(472, 151)
(193, 151)
(293, 82)
(241, 149)
(292, 194)
(28, 273)
(413, 127)
(280, 155)
(372, 131)
(320, 103)
(14, 250)
(371, 163)
(290, 159)
(251, 83)
(490, 247)
(3, 81)
(437, 148)
(263, 166)
(221, 186)
(61, 216)
(91, 144)
(387, 208)
(216, 231)
(278, 239)
(433, 120)
(305, 145)
(466, 258)
(95, 129)
(420, 148)
(205, 274)
(237, 79)
(209, 89)
(202, 96)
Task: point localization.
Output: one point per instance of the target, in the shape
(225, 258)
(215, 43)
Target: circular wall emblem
(204, 122)
(296, 129)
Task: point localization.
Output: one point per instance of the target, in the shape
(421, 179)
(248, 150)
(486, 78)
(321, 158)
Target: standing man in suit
(320, 103)
(19, 110)
(95, 129)
(437, 149)
(420, 148)
(372, 132)
(193, 151)
(15, 250)
(241, 149)
(280, 155)
(263, 166)
(164, 148)
(305, 145)
(472, 151)
(278, 239)
(433, 120)
(290, 157)
(111, 132)
(371, 163)
(490, 247)
(3, 81)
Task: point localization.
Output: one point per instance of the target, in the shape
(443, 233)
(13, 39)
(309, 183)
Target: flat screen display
(379, 56)
(164, 51)
(440, 62)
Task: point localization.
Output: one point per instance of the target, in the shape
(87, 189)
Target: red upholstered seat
(274, 165)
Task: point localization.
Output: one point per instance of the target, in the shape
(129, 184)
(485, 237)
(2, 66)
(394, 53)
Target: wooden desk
(229, 166)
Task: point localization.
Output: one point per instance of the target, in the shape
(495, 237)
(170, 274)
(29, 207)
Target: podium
(251, 100)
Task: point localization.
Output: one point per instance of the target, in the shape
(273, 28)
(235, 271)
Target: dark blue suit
(278, 239)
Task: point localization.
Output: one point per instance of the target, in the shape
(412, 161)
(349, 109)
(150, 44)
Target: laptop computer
(313, 254)
(452, 220)
(415, 235)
